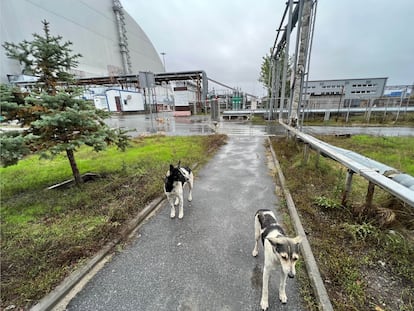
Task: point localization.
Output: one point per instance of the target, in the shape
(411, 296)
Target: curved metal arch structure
(110, 41)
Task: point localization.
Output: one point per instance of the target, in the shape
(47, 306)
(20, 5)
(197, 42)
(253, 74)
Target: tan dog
(277, 247)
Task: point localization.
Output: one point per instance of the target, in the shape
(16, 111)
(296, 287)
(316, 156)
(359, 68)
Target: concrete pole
(301, 63)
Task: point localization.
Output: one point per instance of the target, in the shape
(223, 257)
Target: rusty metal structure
(300, 15)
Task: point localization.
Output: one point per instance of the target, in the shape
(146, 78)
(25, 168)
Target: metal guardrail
(388, 171)
(323, 110)
(371, 174)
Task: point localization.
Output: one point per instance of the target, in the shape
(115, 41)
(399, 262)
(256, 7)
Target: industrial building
(349, 92)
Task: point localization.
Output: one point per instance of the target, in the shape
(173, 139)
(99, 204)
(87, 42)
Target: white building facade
(343, 92)
(348, 88)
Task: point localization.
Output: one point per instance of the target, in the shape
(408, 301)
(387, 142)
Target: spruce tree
(57, 120)
(12, 143)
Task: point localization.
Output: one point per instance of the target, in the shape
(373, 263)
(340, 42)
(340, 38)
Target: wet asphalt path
(204, 261)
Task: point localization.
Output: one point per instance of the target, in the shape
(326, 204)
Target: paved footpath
(204, 261)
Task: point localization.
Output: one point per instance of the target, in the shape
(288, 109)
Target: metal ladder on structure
(123, 39)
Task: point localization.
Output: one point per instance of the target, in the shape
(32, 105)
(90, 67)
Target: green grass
(33, 173)
(397, 152)
(350, 241)
(377, 119)
(46, 234)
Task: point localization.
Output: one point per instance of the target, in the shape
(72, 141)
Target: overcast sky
(228, 38)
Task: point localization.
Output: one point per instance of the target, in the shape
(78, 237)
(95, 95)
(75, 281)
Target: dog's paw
(254, 253)
(283, 298)
(264, 305)
(172, 214)
(180, 216)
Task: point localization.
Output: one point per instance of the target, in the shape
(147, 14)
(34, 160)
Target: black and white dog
(175, 180)
(277, 247)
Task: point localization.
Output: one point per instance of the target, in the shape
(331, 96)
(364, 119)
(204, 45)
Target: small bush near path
(46, 234)
(365, 255)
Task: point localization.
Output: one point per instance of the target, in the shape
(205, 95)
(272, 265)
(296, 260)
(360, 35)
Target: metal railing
(371, 174)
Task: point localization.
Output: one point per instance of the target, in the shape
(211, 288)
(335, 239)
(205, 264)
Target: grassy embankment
(46, 234)
(376, 119)
(405, 119)
(365, 254)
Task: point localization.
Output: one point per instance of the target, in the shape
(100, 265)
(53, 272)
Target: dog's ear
(171, 167)
(179, 163)
(281, 240)
(276, 241)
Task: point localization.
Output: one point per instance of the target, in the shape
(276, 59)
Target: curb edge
(310, 262)
(56, 295)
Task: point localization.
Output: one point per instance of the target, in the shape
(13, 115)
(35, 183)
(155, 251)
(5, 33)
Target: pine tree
(57, 119)
(12, 145)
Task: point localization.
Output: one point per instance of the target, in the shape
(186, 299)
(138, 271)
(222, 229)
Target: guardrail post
(348, 184)
(318, 155)
(305, 154)
(370, 195)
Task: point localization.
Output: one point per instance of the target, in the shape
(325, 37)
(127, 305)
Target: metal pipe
(285, 60)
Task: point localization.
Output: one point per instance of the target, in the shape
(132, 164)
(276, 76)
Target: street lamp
(163, 60)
